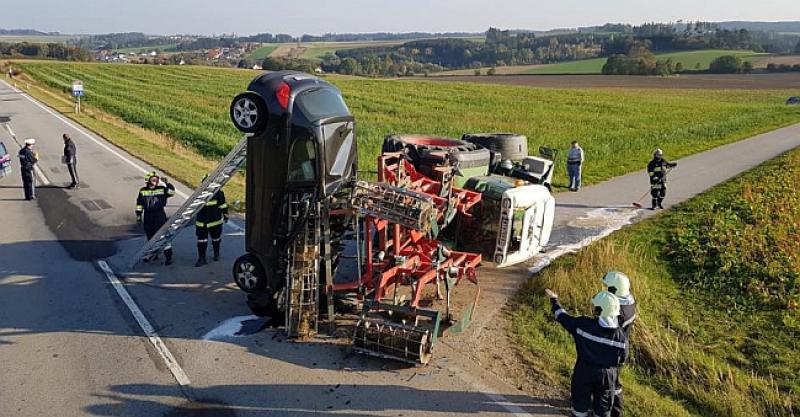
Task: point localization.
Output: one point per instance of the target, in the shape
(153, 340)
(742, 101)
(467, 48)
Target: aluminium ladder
(184, 215)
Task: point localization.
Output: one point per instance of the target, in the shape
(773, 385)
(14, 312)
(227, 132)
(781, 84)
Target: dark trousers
(658, 193)
(593, 388)
(202, 234)
(153, 220)
(616, 408)
(73, 172)
(28, 184)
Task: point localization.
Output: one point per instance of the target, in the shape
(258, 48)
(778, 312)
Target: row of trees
(45, 50)
(639, 61)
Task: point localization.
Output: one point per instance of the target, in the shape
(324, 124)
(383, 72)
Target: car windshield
(321, 103)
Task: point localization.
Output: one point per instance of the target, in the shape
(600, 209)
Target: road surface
(71, 341)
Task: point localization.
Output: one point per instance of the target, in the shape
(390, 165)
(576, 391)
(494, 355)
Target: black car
(793, 100)
(5, 161)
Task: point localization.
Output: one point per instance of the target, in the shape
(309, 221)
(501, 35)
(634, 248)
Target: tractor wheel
(249, 275)
(508, 145)
(422, 149)
(249, 112)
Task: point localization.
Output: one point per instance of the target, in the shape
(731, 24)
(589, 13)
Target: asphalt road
(69, 343)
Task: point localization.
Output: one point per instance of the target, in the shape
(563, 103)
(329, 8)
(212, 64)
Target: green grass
(263, 51)
(689, 59)
(618, 128)
(317, 53)
(717, 339)
(141, 49)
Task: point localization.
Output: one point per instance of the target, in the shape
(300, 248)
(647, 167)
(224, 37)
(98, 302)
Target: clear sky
(341, 16)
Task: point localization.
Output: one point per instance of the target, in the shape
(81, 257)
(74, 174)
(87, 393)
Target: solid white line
(496, 398)
(152, 335)
(39, 172)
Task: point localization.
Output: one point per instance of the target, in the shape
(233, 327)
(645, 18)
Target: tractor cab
(301, 157)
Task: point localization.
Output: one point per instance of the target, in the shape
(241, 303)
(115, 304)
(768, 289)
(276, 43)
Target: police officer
(618, 284)
(27, 161)
(657, 170)
(150, 204)
(70, 159)
(209, 222)
(601, 346)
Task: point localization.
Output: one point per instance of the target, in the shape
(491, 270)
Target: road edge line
(491, 394)
(169, 360)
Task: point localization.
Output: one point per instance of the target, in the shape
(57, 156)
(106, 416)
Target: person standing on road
(574, 166)
(70, 154)
(209, 222)
(150, 203)
(618, 284)
(657, 170)
(601, 348)
(27, 161)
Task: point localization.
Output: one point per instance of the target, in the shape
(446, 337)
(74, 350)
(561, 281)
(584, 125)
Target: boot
(659, 203)
(200, 261)
(654, 204)
(168, 256)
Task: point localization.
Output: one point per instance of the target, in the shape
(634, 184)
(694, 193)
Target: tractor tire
(421, 149)
(249, 274)
(249, 112)
(508, 145)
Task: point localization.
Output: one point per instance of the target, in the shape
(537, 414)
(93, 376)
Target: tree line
(45, 50)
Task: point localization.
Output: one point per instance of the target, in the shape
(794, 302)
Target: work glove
(549, 293)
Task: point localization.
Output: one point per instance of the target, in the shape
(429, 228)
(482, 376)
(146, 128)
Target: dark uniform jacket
(27, 159)
(627, 314)
(657, 169)
(597, 346)
(214, 212)
(70, 152)
(153, 200)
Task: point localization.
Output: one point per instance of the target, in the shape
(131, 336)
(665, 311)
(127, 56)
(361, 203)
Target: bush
(726, 64)
(477, 72)
(491, 71)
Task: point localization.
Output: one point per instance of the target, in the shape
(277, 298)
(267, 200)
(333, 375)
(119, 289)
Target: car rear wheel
(249, 112)
(248, 274)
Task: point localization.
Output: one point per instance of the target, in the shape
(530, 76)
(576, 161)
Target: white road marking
(36, 168)
(152, 335)
(496, 398)
(228, 328)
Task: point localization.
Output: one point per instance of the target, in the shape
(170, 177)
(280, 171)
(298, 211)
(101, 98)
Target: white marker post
(77, 92)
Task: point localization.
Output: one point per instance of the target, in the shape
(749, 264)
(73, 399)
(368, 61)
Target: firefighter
(601, 347)
(618, 284)
(657, 170)
(150, 204)
(27, 161)
(209, 222)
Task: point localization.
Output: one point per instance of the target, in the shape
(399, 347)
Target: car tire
(249, 275)
(249, 112)
(264, 305)
(508, 145)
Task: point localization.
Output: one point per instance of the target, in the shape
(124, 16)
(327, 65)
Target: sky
(296, 17)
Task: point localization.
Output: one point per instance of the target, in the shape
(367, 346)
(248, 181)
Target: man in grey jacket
(574, 166)
(70, 159)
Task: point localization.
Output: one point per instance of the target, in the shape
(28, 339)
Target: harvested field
(701, 81)
(778, 60)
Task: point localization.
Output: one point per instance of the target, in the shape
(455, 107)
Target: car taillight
(283, 94)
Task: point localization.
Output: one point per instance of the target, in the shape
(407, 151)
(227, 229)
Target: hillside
(717, 288)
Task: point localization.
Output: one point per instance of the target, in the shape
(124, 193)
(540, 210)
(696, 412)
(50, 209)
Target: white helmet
(620, 283)
(658, 152)
(608, 303)
(30, 141)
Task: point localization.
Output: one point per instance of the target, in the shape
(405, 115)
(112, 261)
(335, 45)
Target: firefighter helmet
(149, 175)
(608, 303)
(658, 152)
(619, 282)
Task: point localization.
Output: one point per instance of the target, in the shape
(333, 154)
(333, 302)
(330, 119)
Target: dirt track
(727, 81)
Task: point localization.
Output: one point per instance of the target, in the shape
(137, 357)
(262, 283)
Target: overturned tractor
(317, 235)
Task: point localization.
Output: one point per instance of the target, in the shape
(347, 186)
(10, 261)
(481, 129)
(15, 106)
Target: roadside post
(77, 92)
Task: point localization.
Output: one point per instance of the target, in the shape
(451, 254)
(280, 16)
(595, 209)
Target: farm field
(163, 48)
(617, 127)
(716, 285)
(264, 51)
(38, 39)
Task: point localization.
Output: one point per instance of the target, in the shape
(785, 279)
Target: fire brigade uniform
(209, 222)
(150, 204)
(619, 285)
(601, 346)
(657, 170)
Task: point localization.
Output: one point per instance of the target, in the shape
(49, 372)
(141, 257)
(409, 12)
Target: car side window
(302, 161)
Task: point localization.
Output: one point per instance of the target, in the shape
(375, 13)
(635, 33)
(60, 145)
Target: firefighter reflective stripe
(629, 321)
(579, 414)
(139, 207)
(223, 205)
(209, 224)
(157, 191)
(656, 186)
(559, 312)
(211, 203)
(217, 239)
(602, 340)
(202, 240)
(170, 192)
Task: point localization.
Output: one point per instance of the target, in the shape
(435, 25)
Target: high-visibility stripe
(223, 205)
(214, 223)
(629, 321)
(602, 340)
(211, 203)
(579, 414)
(559, 312)
(139, 208)
(202, 240)
(217, 239)
(147, 193)
(170, 191)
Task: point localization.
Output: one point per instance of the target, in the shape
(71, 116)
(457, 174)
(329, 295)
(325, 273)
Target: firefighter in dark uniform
(657, 170)
(618, 284)
(209, 222)
(150, 204)
(27, 161)
(601, 347)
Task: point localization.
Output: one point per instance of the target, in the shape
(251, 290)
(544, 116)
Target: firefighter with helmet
(150, 204)
(209, 223)
(657, 169)
(601, 349)
(619, 284)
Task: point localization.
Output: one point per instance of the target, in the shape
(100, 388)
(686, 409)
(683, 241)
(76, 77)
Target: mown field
(717, 284)
(263, 51)
(618, 128)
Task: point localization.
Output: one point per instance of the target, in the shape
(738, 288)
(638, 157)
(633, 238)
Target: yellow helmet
(620, 283)
(608, 303)
(149, 175)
